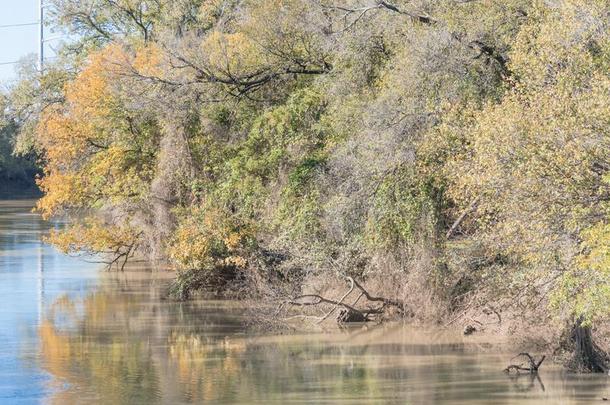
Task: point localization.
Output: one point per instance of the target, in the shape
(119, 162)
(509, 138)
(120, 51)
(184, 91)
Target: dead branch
(346, 312)
(351, 288)
(482, 49)
(490, 311)
(533, 364)
(386, 301)
(316, 299)
(471, 207)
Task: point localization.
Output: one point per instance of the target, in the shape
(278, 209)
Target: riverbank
(77, 333)
(327, 303)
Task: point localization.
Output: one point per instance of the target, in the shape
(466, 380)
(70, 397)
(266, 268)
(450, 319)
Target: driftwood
(347, 316)
(347, 313)
(533, 364)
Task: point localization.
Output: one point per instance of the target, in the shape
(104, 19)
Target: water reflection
(71, 334)
(526, 382)
(127, 345)
(31, 274)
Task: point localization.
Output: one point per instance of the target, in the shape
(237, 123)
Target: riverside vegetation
(449, 159)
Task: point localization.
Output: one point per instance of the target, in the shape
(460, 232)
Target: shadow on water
(78, 335)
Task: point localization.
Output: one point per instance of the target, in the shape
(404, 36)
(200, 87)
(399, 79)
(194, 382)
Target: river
(71, 333)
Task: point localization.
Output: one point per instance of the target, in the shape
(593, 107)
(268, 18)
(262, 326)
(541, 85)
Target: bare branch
(533, 364)
(471, 207)
(348, 313)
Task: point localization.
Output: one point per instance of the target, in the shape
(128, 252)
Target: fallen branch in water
(533, 364)
(386, 301)
(347, 313)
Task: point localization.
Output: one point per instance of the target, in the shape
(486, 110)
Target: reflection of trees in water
(243, 370)
(99, 365)
(123, 348)
(125, 345)
(239, 370)
(111, 346)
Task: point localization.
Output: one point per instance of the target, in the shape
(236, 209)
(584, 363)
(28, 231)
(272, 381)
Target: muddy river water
(71, 333)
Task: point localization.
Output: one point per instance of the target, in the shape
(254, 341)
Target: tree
(429, 148)
(538, 161)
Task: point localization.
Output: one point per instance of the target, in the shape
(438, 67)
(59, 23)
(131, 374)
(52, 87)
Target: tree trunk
(587, 356)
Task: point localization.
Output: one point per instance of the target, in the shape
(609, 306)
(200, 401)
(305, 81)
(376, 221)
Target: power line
(19, 25)
(18, 61)
(41, 36)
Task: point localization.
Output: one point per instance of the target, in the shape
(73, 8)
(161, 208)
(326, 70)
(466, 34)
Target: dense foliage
(456, 152)
(17, 171)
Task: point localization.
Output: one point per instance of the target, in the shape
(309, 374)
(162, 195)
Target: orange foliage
(83, 138)
(210, 238)
(93, 236)
(148, 61)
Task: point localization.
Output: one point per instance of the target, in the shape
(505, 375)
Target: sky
(17, 42)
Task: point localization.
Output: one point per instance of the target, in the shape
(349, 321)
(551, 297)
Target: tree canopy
(456, 151)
